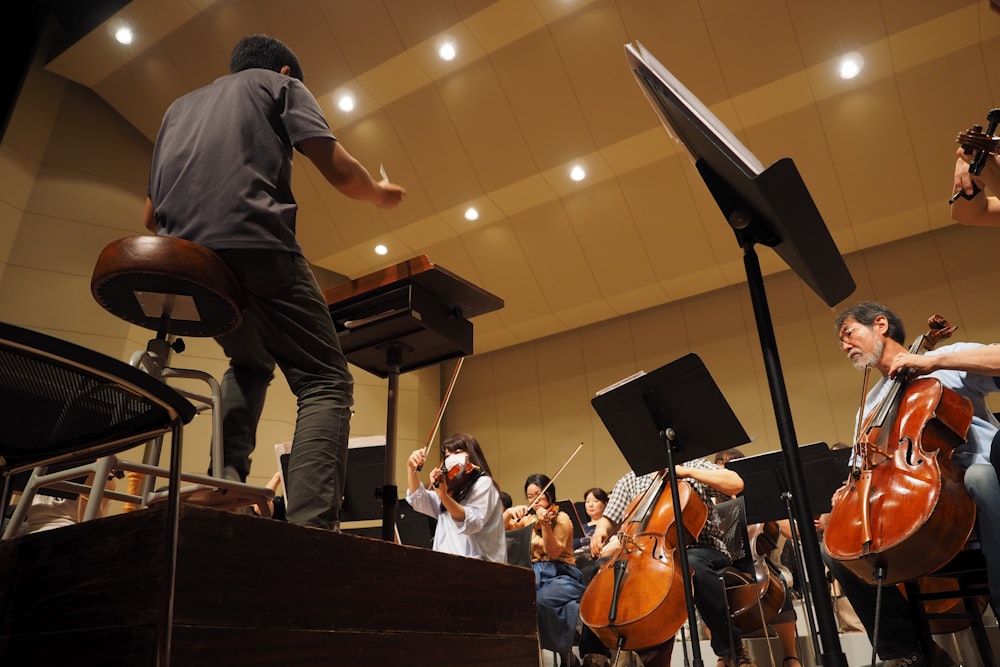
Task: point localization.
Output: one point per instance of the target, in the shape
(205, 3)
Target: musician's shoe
(596, 660)
(912, 660)
(916, 659)
(741, 659)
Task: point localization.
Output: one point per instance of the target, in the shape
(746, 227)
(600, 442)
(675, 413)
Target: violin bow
(553, 478)
(440, 414)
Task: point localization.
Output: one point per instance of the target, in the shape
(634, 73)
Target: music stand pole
(814, 566)
(389, 491)
(669, 437)
(801, 572)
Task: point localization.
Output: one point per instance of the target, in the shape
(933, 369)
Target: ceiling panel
(539, 85)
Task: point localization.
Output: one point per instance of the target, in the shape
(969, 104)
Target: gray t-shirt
(222, 165)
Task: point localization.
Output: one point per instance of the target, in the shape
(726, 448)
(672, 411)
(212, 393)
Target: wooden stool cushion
(141, 278)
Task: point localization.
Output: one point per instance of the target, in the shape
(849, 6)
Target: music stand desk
(416, 306)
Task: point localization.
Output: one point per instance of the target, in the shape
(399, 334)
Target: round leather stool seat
(160, 281)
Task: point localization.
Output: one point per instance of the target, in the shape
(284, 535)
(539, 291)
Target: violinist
(707, 557)
(558, 582)
(464, 499)
(979, 209)
(872, 336)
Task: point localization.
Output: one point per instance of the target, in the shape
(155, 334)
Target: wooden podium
(404, 317)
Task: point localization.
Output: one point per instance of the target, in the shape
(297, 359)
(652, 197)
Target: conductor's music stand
(770, 206)
(402, 318)
(767, 495)
(676, 408)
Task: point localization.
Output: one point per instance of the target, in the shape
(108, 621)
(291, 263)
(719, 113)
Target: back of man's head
(263, 52)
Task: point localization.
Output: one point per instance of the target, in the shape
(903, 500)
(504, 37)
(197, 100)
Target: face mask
(453, 460)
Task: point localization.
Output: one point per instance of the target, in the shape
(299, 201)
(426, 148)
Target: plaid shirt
(630, 486)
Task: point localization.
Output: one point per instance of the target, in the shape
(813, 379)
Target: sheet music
(620, 383)
(694, 106)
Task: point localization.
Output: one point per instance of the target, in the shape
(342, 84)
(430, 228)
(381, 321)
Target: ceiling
(541, 85)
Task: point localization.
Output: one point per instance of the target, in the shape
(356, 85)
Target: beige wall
(530, 405)
(72, 178)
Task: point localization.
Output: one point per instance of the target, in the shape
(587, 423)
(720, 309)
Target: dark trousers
(287, 323)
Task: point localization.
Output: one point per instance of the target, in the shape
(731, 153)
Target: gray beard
(863, 361)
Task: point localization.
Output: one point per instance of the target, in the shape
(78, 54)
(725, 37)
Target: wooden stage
(253, 591)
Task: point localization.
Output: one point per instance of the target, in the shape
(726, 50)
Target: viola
(903, 511)
(636, 598)
(979, 144)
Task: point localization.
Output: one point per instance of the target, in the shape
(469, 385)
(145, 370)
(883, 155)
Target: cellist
(873, 336)
(706, 557)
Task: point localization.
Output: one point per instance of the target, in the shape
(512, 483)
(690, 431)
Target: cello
(903, 511)
(636, 598)
(755, 603)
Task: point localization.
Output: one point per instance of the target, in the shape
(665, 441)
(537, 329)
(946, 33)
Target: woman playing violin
(463, 497)
(558, 582)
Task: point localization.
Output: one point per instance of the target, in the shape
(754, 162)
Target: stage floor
(253, 591)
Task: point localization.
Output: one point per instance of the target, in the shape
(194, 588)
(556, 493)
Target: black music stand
(770, 206)
(407, 316)
(677, 408)
(768, 495)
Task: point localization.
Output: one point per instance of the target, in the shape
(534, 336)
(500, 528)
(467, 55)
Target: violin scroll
(979, 144)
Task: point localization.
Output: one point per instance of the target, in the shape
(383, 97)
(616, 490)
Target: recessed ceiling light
(346, 102)
(447, 51)
(381, 249)
(851, 65)
(471, 214)
(124, 35)
(577, 173)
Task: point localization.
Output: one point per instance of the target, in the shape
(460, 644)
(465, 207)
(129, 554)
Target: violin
(980, 144)
(551, 517)
(459, 478)
(904, 511)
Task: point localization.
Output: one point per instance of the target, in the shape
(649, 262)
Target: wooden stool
(173, 287)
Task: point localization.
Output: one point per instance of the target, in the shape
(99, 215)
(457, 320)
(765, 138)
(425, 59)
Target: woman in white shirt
(464, 499)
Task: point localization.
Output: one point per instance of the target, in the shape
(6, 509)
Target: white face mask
(453, 460)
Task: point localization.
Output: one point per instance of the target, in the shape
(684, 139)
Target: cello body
(636, 598)
(910, 512)
(767, 585)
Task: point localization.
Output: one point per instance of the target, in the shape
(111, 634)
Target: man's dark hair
(866, 312)
(263, 52)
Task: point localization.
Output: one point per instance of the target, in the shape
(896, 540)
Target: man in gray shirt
(221, 177)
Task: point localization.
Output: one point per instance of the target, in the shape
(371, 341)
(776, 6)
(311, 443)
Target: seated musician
(558, 582)
(872, 336)
(706, 557)
(466, 504)
(784, 623)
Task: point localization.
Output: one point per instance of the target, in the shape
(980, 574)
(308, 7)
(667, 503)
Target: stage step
(252, 591)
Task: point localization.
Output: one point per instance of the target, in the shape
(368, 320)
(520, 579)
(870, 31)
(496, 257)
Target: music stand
(767, 481)
(767, 494)
(676, 408)
(770, 206)
(404, 317)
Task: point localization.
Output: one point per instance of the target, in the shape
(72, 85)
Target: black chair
(752, 595)
(519, 546)
(968, 589)
(60, 403)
